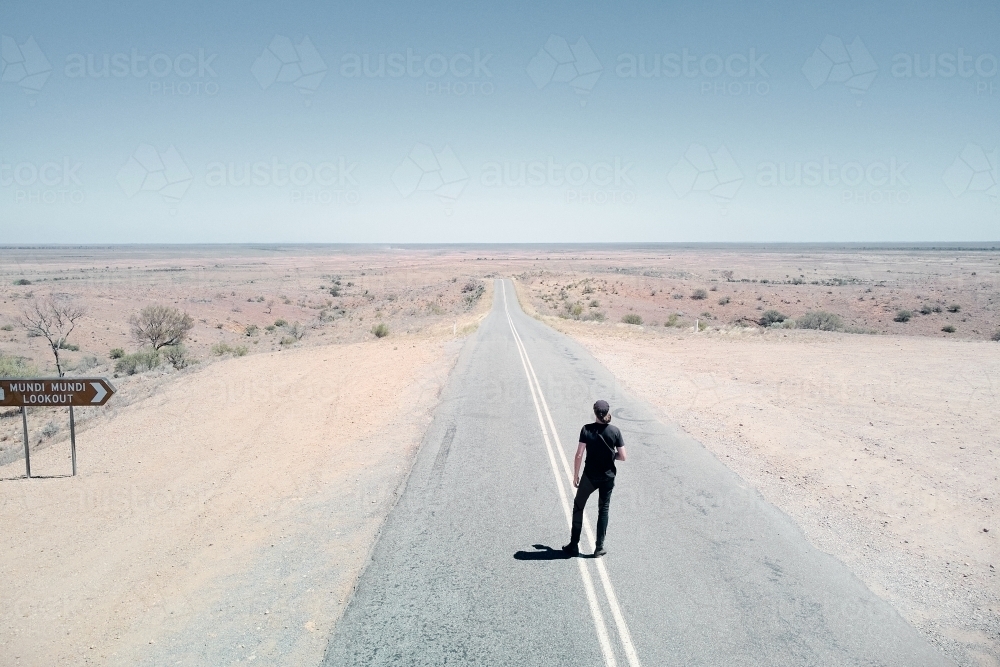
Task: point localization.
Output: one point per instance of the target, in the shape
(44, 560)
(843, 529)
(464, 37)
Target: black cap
(601, 408)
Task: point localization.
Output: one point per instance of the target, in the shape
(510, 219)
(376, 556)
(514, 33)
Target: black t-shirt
(603, 441)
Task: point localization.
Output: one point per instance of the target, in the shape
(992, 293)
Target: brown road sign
(74, 391)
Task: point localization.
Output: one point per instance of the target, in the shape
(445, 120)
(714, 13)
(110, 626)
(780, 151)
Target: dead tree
(54, 321)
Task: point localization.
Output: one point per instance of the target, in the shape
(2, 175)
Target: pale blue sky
(692, 152)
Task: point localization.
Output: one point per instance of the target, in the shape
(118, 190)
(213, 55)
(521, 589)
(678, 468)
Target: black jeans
(605, 487)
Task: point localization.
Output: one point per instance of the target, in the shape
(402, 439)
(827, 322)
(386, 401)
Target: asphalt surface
(700, 569)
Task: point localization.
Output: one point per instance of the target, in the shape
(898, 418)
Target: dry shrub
(160, 326)
(822, 320)
(137, 362)
(771, 317)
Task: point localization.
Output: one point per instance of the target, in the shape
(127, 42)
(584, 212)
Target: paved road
(700, 569)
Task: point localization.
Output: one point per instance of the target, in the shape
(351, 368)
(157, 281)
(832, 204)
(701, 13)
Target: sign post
(24, 426)
(72, 439)
(53, 392)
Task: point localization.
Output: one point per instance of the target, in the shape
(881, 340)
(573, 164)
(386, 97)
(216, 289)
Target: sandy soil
(884, 449)
(947, 293)
(336, 295)
(251, 300)
(183, 497)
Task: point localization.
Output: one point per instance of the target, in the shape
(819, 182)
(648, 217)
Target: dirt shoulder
(884, 449)
(225, 518)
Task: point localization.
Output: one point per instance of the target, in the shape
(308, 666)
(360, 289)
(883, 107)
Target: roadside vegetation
(223, 349)
(668, 294)
(771, 317)
(160, 326)
(137, 362)
(820, 320)
(16, 367)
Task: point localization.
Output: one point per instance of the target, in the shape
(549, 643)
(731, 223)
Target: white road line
(609, 591)
(588, 582)
(616, 612)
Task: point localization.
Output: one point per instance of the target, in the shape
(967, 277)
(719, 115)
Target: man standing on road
(603, 445)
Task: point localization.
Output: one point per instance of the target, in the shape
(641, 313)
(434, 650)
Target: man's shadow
(544, 553)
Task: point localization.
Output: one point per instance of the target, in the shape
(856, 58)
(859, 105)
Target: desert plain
(238, 491)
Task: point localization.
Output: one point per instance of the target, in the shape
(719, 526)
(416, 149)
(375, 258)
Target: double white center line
(602, 573)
